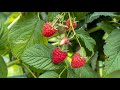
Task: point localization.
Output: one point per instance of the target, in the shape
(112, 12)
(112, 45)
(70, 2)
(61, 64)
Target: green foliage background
(22, 44)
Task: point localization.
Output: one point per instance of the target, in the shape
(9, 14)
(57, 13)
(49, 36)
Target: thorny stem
(29, 70)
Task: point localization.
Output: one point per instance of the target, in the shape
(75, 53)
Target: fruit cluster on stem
(58, 54)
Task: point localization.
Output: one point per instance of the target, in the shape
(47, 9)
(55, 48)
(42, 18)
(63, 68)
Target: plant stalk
(29, 70)
(13, 62)
(94, 29)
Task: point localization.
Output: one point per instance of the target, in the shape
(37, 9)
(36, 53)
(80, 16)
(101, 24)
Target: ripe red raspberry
(47, 30)
(77, 61)
(65, 40)
(68, 24)
(58, 56)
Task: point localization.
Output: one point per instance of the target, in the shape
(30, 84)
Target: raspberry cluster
(59, 55)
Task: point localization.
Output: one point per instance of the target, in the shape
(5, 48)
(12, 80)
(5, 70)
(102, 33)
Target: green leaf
(52, 16)
(39, 57)
(49, 74)
(3, 68)
(112, 51)
(96, 15)
(25, 33)
(2, 18)
(88, 41)
(106, 26)
(44, 16)
(86, 72)
(82, 52)
(82, 72)
(71, 73)
(115, 74)
(80, 15)
(3, 39)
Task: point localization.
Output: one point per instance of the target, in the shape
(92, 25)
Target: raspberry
(77, 61)
(68, 24)
(58, 56)
(65, 40)
(47, 30)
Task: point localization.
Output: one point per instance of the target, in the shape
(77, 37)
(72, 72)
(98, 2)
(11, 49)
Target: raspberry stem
(68, 33)
(71, 26)
(56, 20)
(78, 41)
(74, 33)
